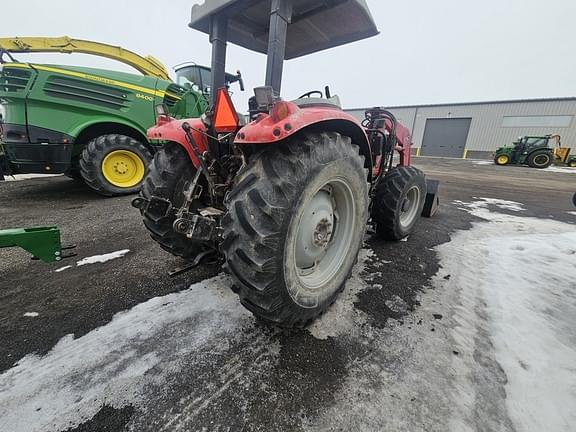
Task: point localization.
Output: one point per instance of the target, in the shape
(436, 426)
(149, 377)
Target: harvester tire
(540, 159)
(398, 201)
(74, 170)
(170, 173)
(74, 175)
(294, 226)
(114, 164)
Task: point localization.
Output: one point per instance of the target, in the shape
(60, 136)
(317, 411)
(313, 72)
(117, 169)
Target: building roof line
(509, 101)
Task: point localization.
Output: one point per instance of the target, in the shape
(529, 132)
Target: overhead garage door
(445, 137)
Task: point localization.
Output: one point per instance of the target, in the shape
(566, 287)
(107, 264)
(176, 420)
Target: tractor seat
(333, 102)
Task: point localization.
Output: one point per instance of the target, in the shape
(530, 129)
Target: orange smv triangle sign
(225, 116)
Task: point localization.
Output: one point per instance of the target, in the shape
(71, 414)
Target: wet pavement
(118, 345)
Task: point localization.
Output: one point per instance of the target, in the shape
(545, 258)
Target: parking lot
(469, 324)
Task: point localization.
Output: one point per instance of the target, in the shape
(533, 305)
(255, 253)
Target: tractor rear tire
(295, 223)
(398, 201)
(115, 164)
(540, 159)
(170, 173)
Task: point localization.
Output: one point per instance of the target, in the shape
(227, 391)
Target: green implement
(42, 242)
(88, 123)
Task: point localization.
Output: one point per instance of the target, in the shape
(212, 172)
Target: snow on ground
(61, 269)
(484, 203)
(102, 258)
(18, 177)
(482, 162)
(96, 259)
(114, 363)
(31, 314)
(522, 270)
(559, 169)
(501, 359)
(556, 169)
(117, 364)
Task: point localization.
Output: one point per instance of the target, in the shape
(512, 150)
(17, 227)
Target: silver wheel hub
(315, 230)
(324, 235)
(409, 207)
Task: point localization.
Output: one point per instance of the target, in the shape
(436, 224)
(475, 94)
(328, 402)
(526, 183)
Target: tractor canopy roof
(316, 24)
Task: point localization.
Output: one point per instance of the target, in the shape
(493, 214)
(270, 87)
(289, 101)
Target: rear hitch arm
(202, 160)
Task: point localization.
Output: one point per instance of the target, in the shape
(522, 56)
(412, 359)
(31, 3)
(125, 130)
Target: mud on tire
(169, 173)
(398, 201)
(263, 236)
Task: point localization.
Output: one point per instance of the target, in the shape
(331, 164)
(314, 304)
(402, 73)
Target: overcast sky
(427, 52)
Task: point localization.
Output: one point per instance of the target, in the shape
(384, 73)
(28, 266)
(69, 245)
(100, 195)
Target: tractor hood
(316, 24)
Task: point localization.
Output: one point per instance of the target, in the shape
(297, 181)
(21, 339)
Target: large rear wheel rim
(324, 236)
(123, 168)
(541, 160)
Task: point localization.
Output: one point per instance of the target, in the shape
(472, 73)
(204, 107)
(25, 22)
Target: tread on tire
(267, 199)
(532, 159)
(389, 196)
(167, 177)
(95, 152)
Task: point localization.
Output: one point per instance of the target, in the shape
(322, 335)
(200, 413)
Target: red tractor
(284, 199)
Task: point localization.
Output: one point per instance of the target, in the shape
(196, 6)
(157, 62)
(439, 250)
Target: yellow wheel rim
(502, 160)
(123, 168)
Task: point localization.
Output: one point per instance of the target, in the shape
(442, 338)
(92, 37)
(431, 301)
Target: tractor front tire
(398, 201)
(502, 159)
(170, 173)
(294, 226)
(114, 164)
(540, 159)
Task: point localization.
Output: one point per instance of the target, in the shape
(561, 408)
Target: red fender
(169, 129)
(287, 119)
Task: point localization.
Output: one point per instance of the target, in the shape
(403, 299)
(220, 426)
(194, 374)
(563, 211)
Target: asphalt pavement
(107, 341)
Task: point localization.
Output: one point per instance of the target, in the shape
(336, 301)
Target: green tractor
(90, 124)
(535, 152)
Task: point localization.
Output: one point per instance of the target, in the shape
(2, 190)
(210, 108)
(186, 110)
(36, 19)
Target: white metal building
(475, 130)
